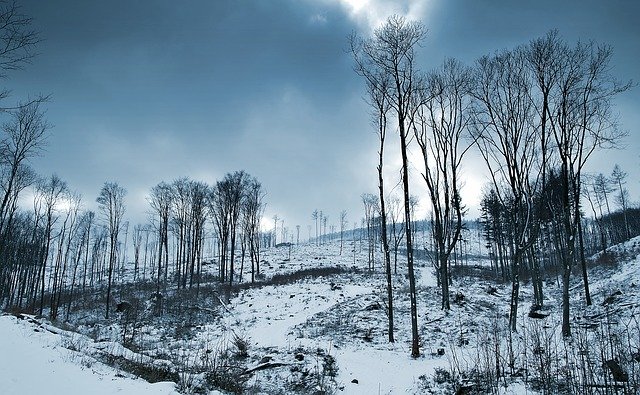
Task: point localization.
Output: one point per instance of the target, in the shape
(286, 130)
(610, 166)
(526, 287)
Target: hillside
(316, 323)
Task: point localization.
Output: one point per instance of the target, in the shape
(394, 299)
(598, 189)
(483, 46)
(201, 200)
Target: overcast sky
(146, 91)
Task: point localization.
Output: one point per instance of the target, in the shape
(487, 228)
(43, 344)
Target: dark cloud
(151, 91)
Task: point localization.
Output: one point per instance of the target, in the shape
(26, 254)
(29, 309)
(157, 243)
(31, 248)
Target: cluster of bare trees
(540, 111)
(234, 205)
(602, 193)
(431, 108)
(320, 219)
(58, 249)
(535, 113)
(237, 196)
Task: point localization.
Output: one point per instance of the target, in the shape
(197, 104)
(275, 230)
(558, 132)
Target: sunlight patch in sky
(370, 14)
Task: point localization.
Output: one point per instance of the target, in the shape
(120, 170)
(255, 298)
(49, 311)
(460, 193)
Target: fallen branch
(222, 303)
(263, 366)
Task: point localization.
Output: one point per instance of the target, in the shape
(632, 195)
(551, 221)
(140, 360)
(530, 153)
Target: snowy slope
(293, 328)
(36, 363)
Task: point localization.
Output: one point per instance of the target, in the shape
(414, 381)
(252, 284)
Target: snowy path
(268, 314)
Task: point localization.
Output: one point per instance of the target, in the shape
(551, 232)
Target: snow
(36, 363)
(381, 371)
(271, 312)
(342, 316)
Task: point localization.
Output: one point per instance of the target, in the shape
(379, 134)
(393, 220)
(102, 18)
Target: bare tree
(227, 200)
(18, 38)
(391, 52)
(314, 216)
(439, 124)
(199, 193)
(253, 209)
(111, 203)
(24, 137)
(370, 202)
(24, 134)
(82, 247)
(321, 219)
(397, 230)
(508, 143)
(378, 90)
(324, 223)
(180, 223)
(619, 177)
(160, 202)
(343, 226)
(589, 191)
(275, 229)
(17, 42)
(602, 188)
(137, 243)
(49, 193)
(581, 121)
(283, 232)
(68, 234)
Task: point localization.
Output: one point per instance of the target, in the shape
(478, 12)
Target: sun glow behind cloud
(369, 14)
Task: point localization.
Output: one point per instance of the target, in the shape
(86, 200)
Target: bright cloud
(370, 14)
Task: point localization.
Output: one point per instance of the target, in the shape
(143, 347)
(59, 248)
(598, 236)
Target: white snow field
(308, 334)
(34, 361)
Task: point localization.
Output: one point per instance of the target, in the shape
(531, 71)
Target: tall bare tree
(111, 204)
(440, 121)
(179, 221)
(275, 229)
(508, 143)
(589, 191)
(253, 209)
(379, 101)
(580, 121)
(48, 194)
(23, 137)
(314, 216)
(391, 52)
(160, 202)
(138, 230)
(199, 193)
(69, 232)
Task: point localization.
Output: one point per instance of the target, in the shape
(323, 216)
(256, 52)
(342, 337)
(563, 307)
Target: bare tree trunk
(415, 342)
(385, 243)
(583, 261)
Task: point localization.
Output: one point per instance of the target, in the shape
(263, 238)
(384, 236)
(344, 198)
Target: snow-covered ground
(320, 332)
(34, 361)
